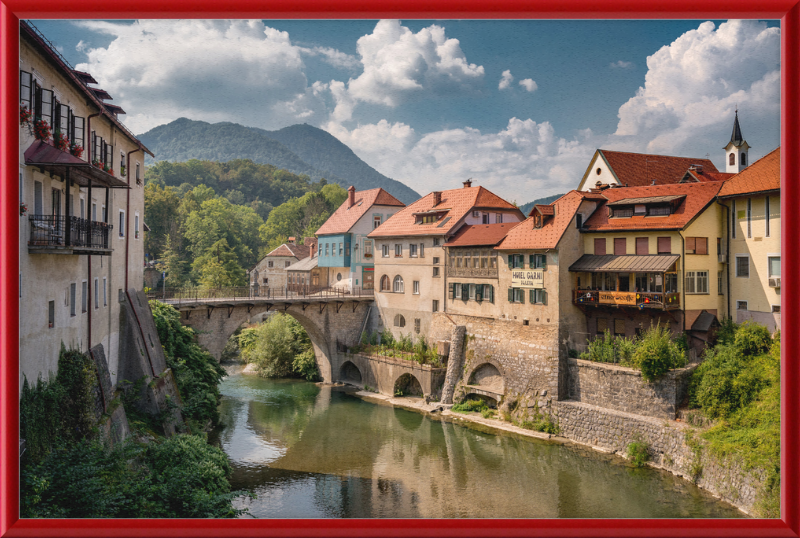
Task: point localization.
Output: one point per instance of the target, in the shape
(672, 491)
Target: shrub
(487, 413)
(275, 347)
(752, 338)
(727, 331)
(387, 338)
(469, 406)
(305, 365)
(657, 353)
(601, 349)
(638, 453)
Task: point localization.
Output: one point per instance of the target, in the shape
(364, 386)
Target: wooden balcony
(627, 299)
(471, 272)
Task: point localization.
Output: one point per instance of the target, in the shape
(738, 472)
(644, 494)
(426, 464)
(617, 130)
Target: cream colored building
(752, 215)
(270, 271)
(81, 226)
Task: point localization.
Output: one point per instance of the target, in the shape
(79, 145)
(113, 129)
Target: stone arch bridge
(331, 318)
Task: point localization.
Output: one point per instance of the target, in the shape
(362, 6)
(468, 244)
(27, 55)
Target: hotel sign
(533, 278)
(617, 297)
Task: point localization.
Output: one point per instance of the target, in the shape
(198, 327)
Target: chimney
(437, 198)
(351, 196)
(468, 183)
(598, 184)
(291, 240)
(311, 243)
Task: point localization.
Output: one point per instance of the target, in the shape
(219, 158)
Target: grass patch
(638, 453)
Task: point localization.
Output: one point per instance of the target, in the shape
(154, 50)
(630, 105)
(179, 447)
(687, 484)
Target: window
(83, 208)
(38, 198)
(732, 159)
(287, 264)
(538, 261)
(697, 245)
(733, 218)
(435, 260)
(749, 214)
(435, 306)
(455, 290)
(412, 250)
(416, 287)
(766, 216)
(326, 248)
(619, 327)
(367, 248)
(488, 293)
(384, 283)
(84, 296)
(73, 291)
(579, 221)
(376, 221)
(399, 321)
(319, 249)
(385, 251)
(398, 250)
(743, 266)
(103, 216)
(96, 294)
(696, 282)
(121, 223)
(720, 287)
(138, 178)
(51, 314)
(435, 241)
(743, 159)
(498, 218)
(78, 129)
(642, 246)
(397, 285)
(538, 296)
(105, 292)
(516, 261)
(417, 325)
(600, 247)
(776, 309)
(471, 292)
(741, 305)
(485, 218)
(664, 245)
(422, 250)
(516, 295)
(435, 272)
(620, 246)
(269, 264)
(136, 226)
(774, 265)
(25, 87)
(341, 249)
(266, 280)
(602, 325)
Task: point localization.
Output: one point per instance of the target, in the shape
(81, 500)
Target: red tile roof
(698, 196)
(455, 203)
(291, 250)
(761, 176)
(525, 236)
(345, 217)
(544, 209)
(640, 169)
(707, 176)
(476, 235)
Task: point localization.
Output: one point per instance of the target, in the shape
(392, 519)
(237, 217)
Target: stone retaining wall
(668, 446)
(623, 389)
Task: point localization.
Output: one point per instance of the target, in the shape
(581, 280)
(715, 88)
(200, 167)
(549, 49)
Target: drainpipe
(89, 257)
(128, 212)
(445, 254)
(727, 258)
(683, 284)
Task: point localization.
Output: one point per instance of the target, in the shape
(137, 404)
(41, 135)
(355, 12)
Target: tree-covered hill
(300, 149)
(546, 200)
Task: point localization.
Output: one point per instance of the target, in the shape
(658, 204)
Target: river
(312, 451)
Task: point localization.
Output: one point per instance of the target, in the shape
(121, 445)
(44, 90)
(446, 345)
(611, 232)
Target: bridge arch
(349, 373)
(407, 385)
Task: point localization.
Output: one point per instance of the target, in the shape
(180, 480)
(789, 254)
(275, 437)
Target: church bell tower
(736, 158)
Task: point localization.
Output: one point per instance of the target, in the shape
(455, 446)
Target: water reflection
(317, 452)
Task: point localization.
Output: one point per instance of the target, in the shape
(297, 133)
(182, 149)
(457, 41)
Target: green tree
(161, 206)
(219, 267)
(279, 347)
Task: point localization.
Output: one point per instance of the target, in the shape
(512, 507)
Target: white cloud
(621, 64)
(522, 162)
(334, 57)
(693, 85)
(81, 46)
(399, 64)
(505, 80)
(528, 84)
(239, 71)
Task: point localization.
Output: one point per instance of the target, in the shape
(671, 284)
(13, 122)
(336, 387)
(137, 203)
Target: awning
(590, 263)
(55, 161)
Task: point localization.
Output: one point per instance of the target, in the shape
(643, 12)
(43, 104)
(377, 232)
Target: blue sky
(519, 106)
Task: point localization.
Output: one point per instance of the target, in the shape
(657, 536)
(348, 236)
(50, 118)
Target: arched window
(743, 159)
(399, 321)
(732, 159)
(385, 283)
(398, 284)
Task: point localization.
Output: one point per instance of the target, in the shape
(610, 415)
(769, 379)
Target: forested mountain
(300, 149)
(546, 200)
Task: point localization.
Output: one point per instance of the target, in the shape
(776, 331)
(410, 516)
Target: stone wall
(623, 389)
(526, 355)
(669, 444)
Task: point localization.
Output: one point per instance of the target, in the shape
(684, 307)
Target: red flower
(76, 150)
(24, 115)
(41, 130)
(61, 141)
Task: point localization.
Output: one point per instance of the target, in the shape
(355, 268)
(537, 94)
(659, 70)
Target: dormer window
(537, 221)
(639, 210)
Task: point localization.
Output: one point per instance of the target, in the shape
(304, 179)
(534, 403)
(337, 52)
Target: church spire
(736, 149)
(736, 135)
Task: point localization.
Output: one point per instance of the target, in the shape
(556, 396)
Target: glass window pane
(775, 266)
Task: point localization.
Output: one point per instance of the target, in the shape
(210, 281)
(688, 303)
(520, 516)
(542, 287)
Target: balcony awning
(590, 263)
(55, 161)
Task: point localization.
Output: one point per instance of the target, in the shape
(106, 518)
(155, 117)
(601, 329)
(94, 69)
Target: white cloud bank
(505, 80)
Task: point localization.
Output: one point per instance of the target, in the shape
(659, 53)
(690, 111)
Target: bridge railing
(193, 295)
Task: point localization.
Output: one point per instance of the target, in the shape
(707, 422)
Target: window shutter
(620, 246)
(602, 325)
(450, 291)
(642, 247)
(510, 295)
(701, 245)
(532, 296)
(479, 292)
(532, 260)
(490, 295)
(37, 100)
(522, 296)
(544, 262)
(465, 292)
(510, 261)
(665, 245)
(690, 245)
(600, 247)
(25, 89)
(544, 297)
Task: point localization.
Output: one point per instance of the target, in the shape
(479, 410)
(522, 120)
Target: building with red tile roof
(352, 209)
(270, 271)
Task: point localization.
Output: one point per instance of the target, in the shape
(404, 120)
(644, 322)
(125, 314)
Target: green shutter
(544, 297)
(510, 261)
(544, 262)
(532, 296)
(465, 292)
(451, 290)
(522, 296)
(479, 292)
(491, 293)
(510, 295)
(532, 260)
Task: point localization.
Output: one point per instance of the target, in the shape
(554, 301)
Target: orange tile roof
(455, 203)
(345, 216)
(475, 235)
(525, 236)
(291, 250)
(761, 176)
(544, 209)
(698, 196)
(640, 169)
(708, 176)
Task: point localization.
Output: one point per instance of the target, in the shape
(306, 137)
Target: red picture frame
(11, 11)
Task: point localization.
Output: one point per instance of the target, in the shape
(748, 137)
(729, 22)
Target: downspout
(727, 258)
(89, 257)
(445, 255)
(683, 283)
(128, 212)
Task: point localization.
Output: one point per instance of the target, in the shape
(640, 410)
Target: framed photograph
(575, 109)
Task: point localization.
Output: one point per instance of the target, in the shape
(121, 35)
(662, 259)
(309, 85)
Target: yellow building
(753, 215)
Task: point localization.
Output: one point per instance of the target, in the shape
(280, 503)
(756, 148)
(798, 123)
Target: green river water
(312, 451)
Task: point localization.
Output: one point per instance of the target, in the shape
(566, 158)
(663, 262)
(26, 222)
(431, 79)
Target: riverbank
(672, 441)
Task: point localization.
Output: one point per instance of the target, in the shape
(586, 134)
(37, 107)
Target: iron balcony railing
(631, 299)
(68, 231)
(193, 295)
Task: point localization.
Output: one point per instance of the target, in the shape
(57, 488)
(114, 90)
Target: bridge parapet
(180, 296)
